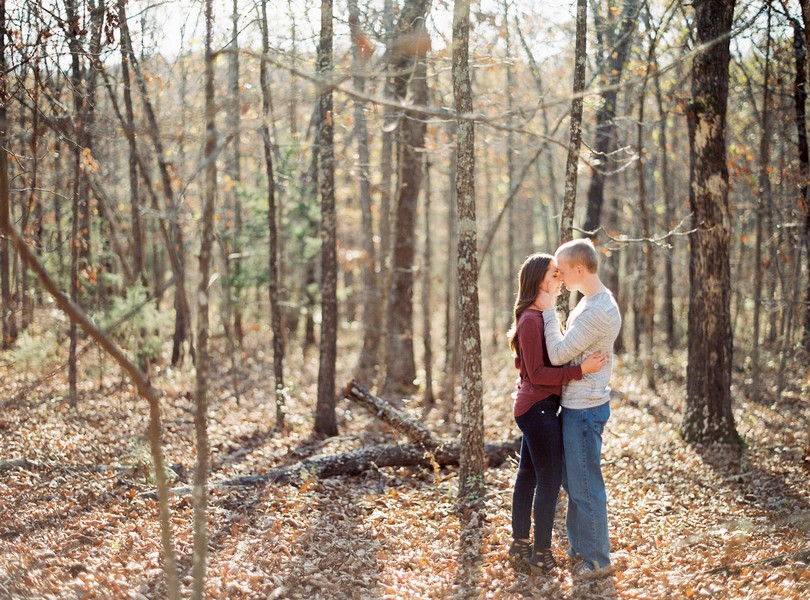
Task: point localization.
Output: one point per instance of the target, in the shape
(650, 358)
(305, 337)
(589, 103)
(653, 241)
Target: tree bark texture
(138, 267)
(8, 318)
(385, 185)
(669, 210)
(428, 399)
(200, 496)
(78, 191)
(407, 57)
(647, 213)
(801, 42)
(575, 138)
(235, 172)
(400, 422)
(451, 326)
(372, 309)
(325, 419)
(575, 125)
(708, 415)
(471, 474)
(762, 200)
(272, 226)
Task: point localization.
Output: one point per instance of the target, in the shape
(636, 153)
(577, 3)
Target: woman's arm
(530, 337)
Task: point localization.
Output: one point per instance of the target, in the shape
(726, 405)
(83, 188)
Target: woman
(536, 410)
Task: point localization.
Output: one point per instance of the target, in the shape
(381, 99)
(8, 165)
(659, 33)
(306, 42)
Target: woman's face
(551, 282)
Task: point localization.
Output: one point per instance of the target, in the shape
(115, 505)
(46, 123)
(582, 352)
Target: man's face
(566, 273)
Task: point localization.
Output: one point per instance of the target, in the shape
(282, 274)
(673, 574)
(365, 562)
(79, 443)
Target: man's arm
(584, 332)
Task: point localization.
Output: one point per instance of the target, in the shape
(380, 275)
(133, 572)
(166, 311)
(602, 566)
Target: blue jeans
(539, 474)
(586, 520)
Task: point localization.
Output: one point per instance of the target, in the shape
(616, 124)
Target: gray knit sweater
(593, 325)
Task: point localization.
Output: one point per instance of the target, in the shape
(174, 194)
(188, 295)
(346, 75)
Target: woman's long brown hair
(531, 275)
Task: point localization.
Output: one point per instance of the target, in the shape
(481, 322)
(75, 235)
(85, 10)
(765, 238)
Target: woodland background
(216, 216)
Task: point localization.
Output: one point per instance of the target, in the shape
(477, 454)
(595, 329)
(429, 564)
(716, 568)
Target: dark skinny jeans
(539, 474)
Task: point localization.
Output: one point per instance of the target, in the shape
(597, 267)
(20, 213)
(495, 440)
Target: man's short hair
(579, 252)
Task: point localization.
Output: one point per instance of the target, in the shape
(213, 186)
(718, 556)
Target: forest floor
(685, 521)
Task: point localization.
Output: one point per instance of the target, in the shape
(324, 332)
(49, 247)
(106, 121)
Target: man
(592, 326)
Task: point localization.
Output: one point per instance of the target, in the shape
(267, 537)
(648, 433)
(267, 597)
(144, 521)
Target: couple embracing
(561, 407)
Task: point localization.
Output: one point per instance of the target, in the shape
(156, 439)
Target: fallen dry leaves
(686, 522)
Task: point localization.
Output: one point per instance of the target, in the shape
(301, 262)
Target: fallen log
(392, 416)
(359, 461)
(426, 450)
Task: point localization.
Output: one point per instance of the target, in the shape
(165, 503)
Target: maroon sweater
(538, 379)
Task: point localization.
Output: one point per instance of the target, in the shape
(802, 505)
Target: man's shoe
(587, 570)
(574, 560)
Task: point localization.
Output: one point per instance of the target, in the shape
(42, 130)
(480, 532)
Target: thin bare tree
(200, 494)
(575, 136)
(325, 418)
(372, 306)
(272, 227)
(762, 200)
(176, 251)
(6, 306)
(473, 460)
(800, 94)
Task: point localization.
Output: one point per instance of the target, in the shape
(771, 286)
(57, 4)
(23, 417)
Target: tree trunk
(203, 302)
(385, 186)
(8, 317)
(761, 201)
(325, 418)
(426, 272)
(230, 234)
(669, 210)
(77, 192)
(138, 239)
(451, 328)
(235, 173)
(613, 44)
(372, 313)
(163, 225)
(800, 97)
(513, 260)
(646, 228)
(34, 206)
(273, 285)
(575, 137)
(177, 252)
(613, 53)
(708, 415)
(407, 56)
(472, 463)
